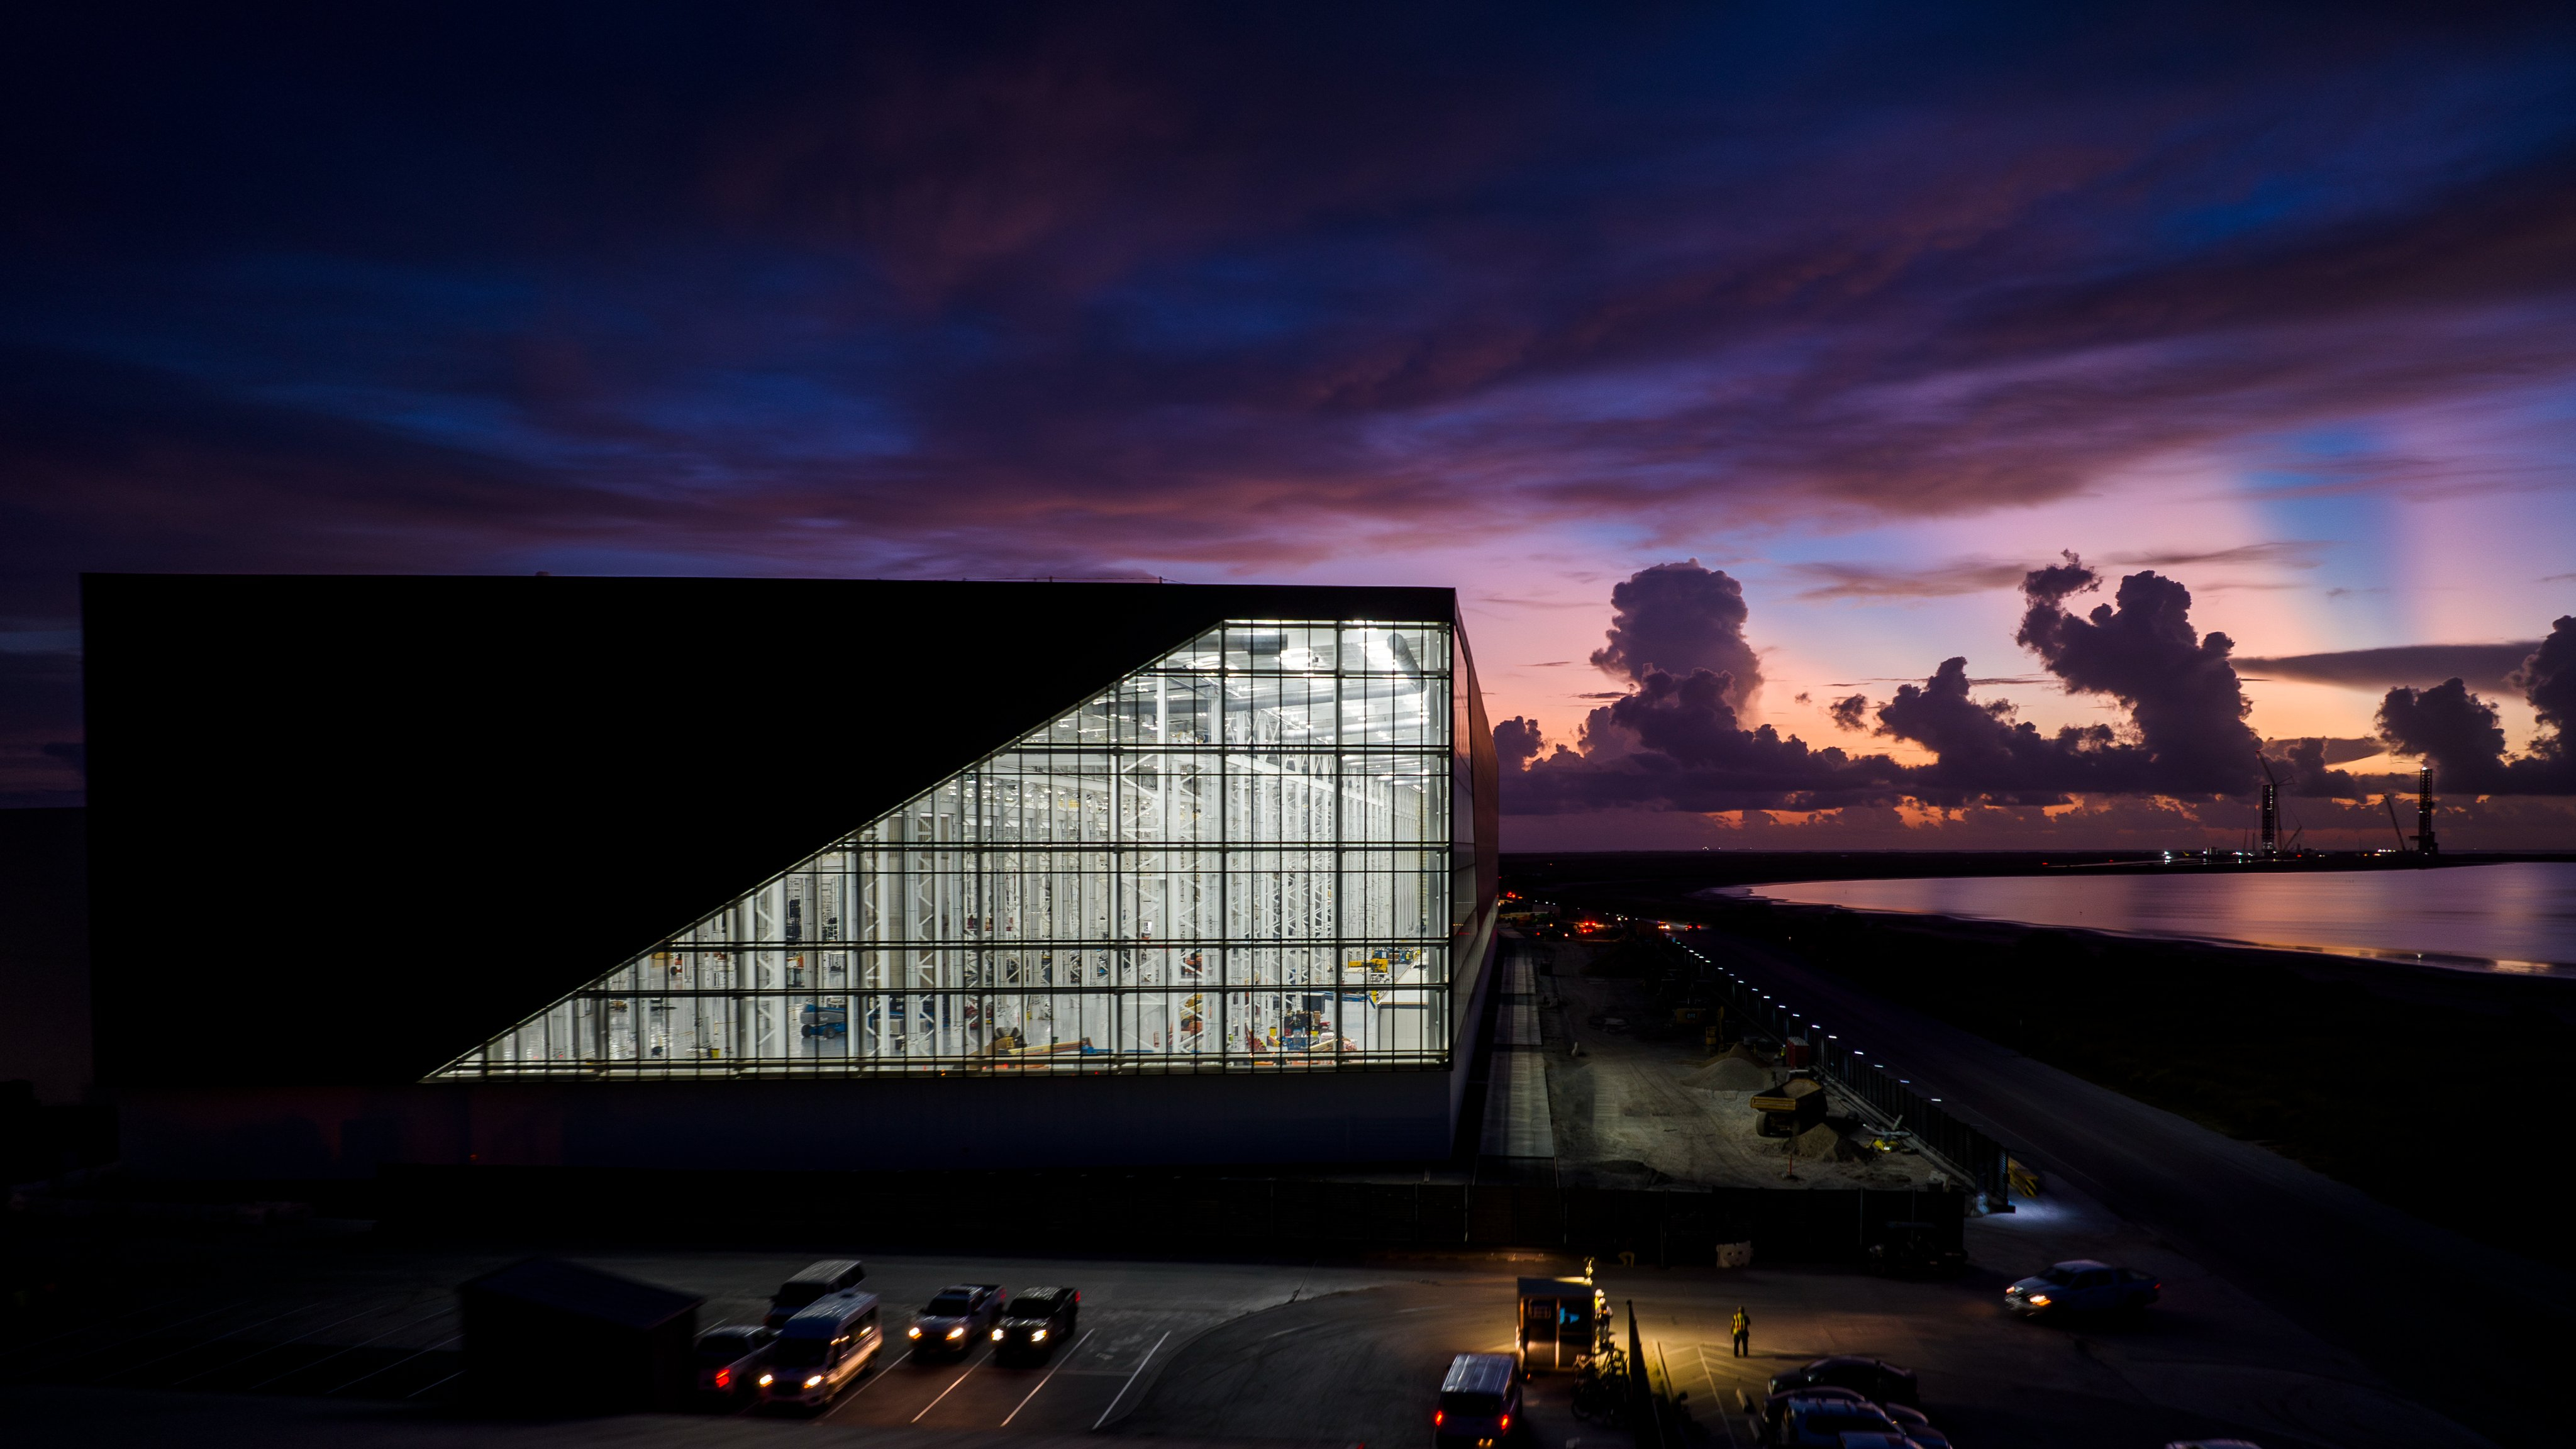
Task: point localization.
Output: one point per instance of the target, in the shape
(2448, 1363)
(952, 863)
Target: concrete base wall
(850, 1124)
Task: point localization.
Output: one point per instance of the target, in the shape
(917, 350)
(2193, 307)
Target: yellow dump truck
(1792, 1106)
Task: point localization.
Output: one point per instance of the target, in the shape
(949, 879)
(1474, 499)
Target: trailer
(1561, 1323)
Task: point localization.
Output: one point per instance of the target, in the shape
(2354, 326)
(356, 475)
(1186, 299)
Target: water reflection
(2519, 917)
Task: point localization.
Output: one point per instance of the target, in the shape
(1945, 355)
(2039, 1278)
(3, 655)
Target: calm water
(2493, 917)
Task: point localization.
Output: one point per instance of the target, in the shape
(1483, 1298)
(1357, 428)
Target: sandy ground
(1625, 1109)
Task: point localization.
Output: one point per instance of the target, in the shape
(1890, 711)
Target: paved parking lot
(1189, 1352)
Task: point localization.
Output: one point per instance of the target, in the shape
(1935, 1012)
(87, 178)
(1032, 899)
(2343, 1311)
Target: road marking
(1716, 1395)
(288, 1343)
(1131, 1382)
(403, 1327)
(133, 1368)
(952, 1387)
(425, 1388)
(397, 1363)
(870, 1374)
(1051, 1372)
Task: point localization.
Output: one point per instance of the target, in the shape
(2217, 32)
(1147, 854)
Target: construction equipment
(2391, 802)
(1792, 1106)
(2425, 844)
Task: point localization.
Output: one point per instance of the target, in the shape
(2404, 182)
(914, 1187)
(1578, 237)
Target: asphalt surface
(2470, 1330)
(1200, 1353)
(1134, 1317)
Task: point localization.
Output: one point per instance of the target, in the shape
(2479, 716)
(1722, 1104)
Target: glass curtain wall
(1237, 858)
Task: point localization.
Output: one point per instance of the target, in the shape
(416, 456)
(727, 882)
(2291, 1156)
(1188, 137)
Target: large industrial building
(782, 873)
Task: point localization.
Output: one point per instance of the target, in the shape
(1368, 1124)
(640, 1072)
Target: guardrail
(1892, 1100)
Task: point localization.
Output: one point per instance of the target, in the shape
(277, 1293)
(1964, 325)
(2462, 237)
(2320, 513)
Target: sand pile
(1731, 1074)
(1821, 1143)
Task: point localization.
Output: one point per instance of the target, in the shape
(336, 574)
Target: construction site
(1623, 1059)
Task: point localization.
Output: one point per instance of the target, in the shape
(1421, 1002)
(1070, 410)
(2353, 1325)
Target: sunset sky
(1874, 308)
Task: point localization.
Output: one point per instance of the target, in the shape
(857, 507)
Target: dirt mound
(1731, 1074)
(1821, 1143)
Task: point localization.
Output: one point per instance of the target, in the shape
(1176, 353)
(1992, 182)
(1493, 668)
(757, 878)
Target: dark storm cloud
(1516, 740)
(1677, 741)
(2548, 681)
(2183, 695)
(2450, 726)
(2306, 767)
(900, 287)
(1984, 752)
(1027, 290)
(2415, 664)
(1680, 619)
(2463, 737)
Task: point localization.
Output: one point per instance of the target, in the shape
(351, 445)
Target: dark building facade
(785, 873)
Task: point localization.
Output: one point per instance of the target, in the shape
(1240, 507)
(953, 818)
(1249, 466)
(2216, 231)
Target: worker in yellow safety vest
(1743, 1326)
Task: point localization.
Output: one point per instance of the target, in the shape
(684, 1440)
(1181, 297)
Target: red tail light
(1437, 1415)
(1507, 1423)
(724, 1378)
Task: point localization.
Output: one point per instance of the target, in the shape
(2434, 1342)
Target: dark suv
(1035, 1324)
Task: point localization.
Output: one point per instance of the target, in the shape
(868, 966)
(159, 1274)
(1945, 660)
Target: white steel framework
(1236, 858)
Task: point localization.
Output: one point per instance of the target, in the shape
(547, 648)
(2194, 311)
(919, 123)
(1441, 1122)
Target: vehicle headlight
(914, 1331)
(767, 1379)
(2039, 1300)
(997, 1335)
(814, 1381)
(958, 1332)
(1038, 1337)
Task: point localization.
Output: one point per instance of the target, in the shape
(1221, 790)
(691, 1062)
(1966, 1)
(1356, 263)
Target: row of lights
(1803, 1021)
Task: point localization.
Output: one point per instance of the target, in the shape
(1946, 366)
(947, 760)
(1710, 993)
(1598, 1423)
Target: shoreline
(2475, 966)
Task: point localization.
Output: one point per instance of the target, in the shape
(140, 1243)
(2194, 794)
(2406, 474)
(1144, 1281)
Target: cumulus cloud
(2548, 681)
(1985, 753)
(2306, 767)
(2462, 736)
(1677, 739)
(2183, 695)
(1681, 619)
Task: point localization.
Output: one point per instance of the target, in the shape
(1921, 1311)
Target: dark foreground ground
(2185, 1086)
(1296, 1352)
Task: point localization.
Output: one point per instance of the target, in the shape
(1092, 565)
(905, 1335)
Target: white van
(821, 1350)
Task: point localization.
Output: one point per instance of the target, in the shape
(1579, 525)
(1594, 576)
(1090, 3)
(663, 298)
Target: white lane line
(1131, 1382)
(1051, 1372)
(952, 1388)
(1716, 1395)
(425, 1388)
(404, 1327)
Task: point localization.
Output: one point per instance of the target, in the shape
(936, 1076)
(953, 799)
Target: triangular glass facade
(1238, 857)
